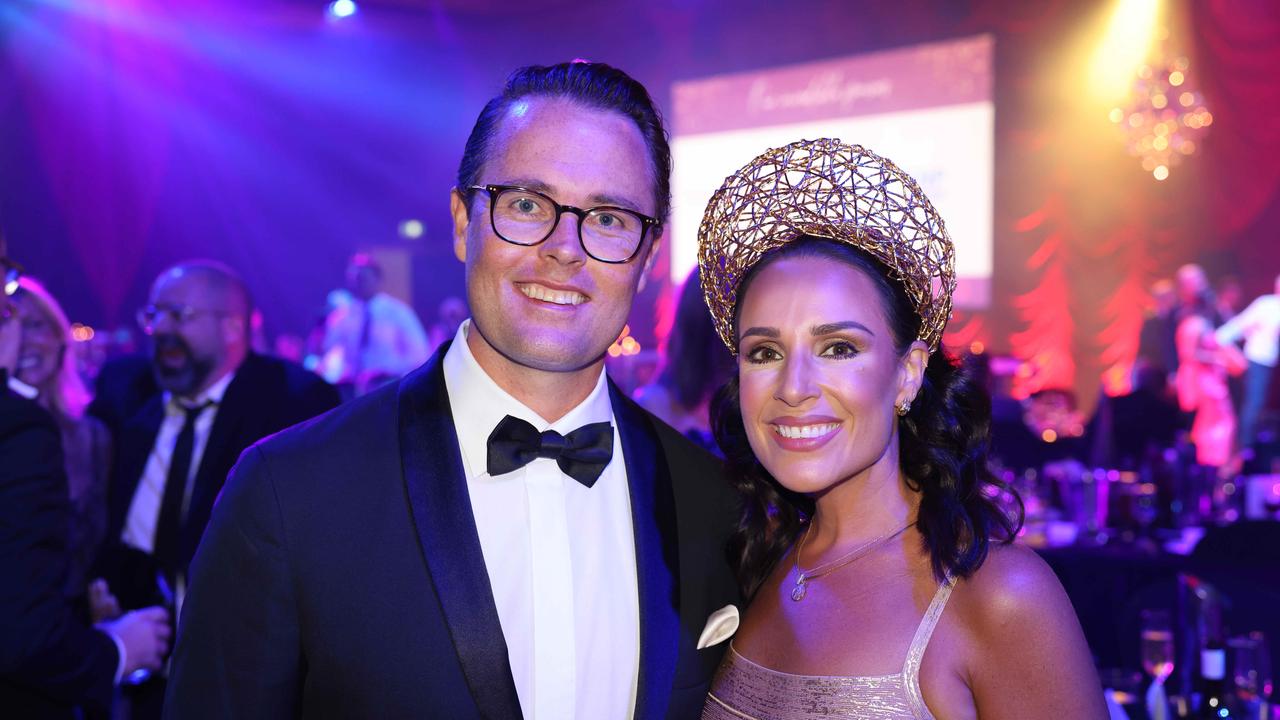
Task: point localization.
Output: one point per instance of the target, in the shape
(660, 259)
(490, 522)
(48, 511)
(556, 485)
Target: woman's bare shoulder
(1024, 653)
(1014, 585)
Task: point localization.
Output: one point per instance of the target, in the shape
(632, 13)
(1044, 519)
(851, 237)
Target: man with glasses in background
(216, 398)
(52, 663)
(502, 533)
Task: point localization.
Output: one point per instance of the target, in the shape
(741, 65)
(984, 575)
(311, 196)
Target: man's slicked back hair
(593, 85)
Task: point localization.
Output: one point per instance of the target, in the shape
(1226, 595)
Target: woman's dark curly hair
(943, 445)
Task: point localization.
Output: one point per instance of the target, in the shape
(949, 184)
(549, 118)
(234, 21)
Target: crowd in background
(146, 453)
(1193, 337)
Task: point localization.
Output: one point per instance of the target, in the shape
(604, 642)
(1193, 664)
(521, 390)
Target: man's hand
(103, 606)
(145, 636)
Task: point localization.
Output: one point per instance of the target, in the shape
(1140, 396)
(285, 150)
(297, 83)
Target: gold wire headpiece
(825, 188)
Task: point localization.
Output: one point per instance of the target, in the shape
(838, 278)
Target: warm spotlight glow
(1186, 99)
(1124, 46)
(977, 348)
(1049, 435)
(625, 344)
(1161, 172)
(81, 333)
(1176, 77)
(1117, 115)
(1159, 101)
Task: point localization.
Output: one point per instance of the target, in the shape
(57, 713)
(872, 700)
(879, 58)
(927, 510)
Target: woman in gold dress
(872, 546)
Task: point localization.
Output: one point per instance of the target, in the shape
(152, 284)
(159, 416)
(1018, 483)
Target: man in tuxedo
(501, 533)
(124, 384)
(216, 398)
(51, 662)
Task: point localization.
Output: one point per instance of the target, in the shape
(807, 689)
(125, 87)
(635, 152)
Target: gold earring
(904, 408)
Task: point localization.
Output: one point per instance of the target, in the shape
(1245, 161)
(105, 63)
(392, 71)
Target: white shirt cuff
(22, 388)
(121, 651)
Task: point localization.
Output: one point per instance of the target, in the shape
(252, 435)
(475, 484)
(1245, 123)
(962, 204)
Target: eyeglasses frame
(646, 221)
(174, 314)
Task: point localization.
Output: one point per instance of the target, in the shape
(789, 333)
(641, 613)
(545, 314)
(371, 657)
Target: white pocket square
(721, 626)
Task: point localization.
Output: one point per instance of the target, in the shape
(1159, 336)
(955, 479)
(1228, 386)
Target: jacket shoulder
(697, 474)
(301, 392)
(343, 429)
(260, 368)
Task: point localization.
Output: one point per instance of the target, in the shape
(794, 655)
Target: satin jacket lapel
(441, 507)
(235, 419)
(138, 437)
(657, 564)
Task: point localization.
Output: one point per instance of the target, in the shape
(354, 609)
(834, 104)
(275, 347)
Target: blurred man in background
(216, 397)
(1259, 327)
(373, 339)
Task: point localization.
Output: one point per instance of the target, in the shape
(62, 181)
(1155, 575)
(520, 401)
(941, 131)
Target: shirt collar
(478, 405)
(213, 394)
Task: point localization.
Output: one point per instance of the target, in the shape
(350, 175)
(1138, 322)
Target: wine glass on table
(1156, 634)
(1145, 508)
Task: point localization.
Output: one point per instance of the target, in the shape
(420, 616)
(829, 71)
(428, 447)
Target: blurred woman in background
(694, 366)
(47, 363)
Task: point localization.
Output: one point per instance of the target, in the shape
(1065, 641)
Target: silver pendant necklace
(803, 577)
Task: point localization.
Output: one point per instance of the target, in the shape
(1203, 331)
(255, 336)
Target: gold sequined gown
(743, 690)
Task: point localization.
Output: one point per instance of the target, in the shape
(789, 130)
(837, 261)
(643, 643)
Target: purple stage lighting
(340, 9)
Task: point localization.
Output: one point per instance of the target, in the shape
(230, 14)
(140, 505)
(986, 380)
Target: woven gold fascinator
(825, 188)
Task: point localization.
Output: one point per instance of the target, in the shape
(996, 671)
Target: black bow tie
(582, 454)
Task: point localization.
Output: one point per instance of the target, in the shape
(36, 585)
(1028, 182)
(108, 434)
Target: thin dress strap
(911, 669)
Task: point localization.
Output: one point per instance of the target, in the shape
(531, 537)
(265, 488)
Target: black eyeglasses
(527, 217)
(150, 316)
(12, 274)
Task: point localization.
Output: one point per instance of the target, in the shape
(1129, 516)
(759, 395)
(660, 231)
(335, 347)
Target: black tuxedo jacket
(266, 396)
(123, 386)
(50, 661)
(342, 575)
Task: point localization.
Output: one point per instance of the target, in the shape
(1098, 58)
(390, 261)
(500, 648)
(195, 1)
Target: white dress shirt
(560, 556)
(144, 511)
(397, 343)
(1259, 325)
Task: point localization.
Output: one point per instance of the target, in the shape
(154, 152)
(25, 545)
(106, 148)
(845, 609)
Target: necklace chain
(804, 576)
